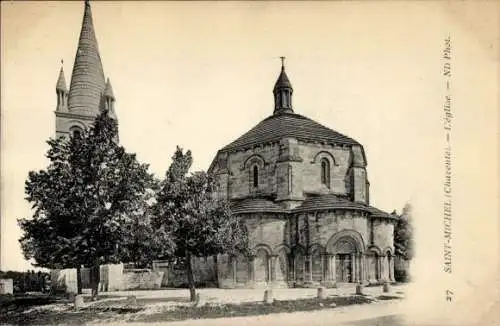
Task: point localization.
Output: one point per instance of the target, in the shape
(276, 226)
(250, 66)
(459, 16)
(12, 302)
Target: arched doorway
(345, 264)
(374, 263)
(261, 266)
(242, 269)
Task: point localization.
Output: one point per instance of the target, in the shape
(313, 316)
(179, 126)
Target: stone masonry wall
(266, 229)
(323, 225)
(383, 234)
(240, 166)
(311, 170)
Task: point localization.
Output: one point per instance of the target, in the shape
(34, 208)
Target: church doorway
(241, 276)
(343, 263)
(261, 266)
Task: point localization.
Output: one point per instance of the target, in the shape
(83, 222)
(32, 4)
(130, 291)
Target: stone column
(391, 268)
(365, 268)
(273, 263)
(329, 270)
(353, 267)
(309, 277)
(251, 272)
(360, 267)
(381, 268)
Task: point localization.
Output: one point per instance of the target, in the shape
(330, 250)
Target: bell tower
(88, 93)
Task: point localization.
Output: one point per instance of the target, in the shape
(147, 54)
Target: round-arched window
(325, 172)
(255, 175)
(76, 132)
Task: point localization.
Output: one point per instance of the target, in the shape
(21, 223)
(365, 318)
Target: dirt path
(345, 315)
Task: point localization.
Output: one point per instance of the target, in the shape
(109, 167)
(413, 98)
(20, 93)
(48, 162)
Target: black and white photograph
(249, 162)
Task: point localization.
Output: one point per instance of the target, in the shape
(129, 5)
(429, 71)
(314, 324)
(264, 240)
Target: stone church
(303, 191)
(301, 188)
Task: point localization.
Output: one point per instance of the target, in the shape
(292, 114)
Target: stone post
(321, 293)
(79, 301)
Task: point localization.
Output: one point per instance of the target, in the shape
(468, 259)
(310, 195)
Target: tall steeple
(88, 93)
(61, 91)
(283, 92)
(87, 80)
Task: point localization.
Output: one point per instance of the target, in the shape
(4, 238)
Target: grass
(255, 308)
(118, 309)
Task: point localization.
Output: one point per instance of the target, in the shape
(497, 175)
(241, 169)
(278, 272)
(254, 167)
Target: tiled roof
(87, 79)
(255, 205)
(293, 125)
(321, 202)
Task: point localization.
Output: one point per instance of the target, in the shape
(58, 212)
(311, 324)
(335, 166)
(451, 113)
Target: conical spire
(283, 92)
(108, 91)
(283, 81)
(87, 80)
(61, 81)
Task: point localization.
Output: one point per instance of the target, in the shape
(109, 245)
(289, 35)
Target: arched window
(76, 132)
(325, 172)
(255, 174)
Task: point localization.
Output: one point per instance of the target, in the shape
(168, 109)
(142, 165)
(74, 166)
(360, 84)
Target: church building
(303, 192)
(301, 188)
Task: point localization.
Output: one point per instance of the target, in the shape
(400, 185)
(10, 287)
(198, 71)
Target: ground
(216, 307)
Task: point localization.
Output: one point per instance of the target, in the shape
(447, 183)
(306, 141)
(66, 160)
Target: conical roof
(291, 125)
(283, 81)
(108, 91)
(61, 81)
(87, 80)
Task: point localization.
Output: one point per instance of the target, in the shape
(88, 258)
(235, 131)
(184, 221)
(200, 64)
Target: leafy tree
(81, 200)
(190, 218)
(140, 243)
(403, 234)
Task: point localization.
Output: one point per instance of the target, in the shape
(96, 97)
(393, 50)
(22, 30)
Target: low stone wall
(6, 286)
(134, 279)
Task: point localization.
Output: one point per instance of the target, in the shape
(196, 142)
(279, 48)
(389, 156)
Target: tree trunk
(216, 271)
(95, 279)
(79, 280)
(192, 291)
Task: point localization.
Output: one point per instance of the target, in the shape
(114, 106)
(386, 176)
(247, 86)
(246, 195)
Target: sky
(200, 74)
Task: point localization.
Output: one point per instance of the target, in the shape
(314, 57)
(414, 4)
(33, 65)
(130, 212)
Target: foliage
(403, 234)
(29, 281)
(191, 219)
(90, 188)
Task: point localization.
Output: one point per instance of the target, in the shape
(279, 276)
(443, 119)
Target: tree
(140, 244)
(80, 201)
(190, 218)
(403, 234)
